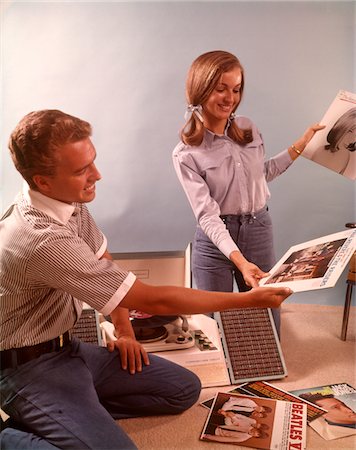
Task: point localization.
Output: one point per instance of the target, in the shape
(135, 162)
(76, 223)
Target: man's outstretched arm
(167, 300)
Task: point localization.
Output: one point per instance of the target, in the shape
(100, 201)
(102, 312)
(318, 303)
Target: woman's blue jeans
(69, 399)
(253, 235)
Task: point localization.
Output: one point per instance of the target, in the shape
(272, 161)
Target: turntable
(234, 347)
(163, 333)
(190, 341)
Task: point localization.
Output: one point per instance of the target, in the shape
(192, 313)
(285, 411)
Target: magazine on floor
(261, 423)
(267, 390)
(340, 402)
(334, 147)
(315, 264)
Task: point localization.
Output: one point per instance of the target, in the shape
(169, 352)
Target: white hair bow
(197, 109)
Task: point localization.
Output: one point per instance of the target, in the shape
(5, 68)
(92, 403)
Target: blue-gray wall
(122, 66)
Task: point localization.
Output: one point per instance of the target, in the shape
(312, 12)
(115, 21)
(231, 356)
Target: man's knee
(195, 390)
(189, 395)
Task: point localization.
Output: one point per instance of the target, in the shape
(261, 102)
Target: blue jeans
(253, 235)
(13, 438)
(69, 399)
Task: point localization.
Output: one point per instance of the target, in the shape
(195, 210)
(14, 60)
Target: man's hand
(131, 352)
(267, 297)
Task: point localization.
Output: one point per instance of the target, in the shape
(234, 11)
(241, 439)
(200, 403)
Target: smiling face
(75, 175)
(222, 101)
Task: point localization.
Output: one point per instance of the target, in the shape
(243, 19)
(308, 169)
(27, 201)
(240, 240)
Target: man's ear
(42, 183)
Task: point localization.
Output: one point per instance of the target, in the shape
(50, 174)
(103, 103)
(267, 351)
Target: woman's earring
(230, 119)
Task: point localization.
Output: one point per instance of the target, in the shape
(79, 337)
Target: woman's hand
(298, 147)
(251, 273)
(131, 352)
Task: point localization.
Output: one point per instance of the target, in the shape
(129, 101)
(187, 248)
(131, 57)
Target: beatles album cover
(261, 423)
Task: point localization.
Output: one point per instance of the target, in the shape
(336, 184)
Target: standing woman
(221, 165)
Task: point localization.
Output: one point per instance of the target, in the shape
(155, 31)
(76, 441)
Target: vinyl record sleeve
(340, 419)
(315, 264)
(334, 147)
(261, 423)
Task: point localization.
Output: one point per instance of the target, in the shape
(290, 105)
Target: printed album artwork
(266, 390)
(331, 408)
(334, 147)
(261, 423)
(340, 402)
(315, 264)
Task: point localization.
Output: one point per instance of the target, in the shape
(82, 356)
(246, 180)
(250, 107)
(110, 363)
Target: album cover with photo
(266, 390)
(315, 264)
(261, 423)
(334, 147)
(339, 401)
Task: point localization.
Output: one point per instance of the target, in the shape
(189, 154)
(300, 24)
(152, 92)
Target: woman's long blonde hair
(204, 74)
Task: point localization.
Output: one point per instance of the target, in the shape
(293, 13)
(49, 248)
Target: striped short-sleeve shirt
(49, 264)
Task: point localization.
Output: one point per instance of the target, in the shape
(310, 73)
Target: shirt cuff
(119, 294)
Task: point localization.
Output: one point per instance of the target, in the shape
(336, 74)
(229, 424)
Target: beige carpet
(314, 356)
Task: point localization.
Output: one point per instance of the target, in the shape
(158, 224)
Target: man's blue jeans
(70, 398)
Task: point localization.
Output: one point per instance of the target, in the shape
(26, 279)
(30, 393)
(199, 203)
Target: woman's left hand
(299, 145)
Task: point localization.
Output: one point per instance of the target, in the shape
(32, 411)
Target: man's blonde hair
(35, 141)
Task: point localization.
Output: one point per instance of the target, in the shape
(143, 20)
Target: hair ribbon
(197, 109)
